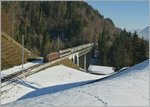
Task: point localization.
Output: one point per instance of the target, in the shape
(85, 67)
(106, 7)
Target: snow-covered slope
(19, 67)
(144, 33)
(127, 88)
(50, 80)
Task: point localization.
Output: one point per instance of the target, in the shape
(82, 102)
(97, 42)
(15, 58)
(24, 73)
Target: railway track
(19, 74)
(64, 54)
(16, 74)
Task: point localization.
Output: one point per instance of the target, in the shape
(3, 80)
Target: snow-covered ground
(19, 67)
(50, 80)
(127, 88)
(100, 69)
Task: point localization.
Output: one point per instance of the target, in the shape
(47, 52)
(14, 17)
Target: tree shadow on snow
(26, 84)
(52, 89)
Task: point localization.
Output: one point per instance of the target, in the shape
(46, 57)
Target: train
(51, 56)
(68, 51)
(62, 53)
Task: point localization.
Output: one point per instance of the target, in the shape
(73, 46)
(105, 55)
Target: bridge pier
(77, 61)
(85, 61)
(73, 60)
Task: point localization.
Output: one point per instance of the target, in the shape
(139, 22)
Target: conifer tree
(103, 48)
(142, 51)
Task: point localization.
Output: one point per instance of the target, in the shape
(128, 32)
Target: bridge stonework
(74, 58)
(75, 54)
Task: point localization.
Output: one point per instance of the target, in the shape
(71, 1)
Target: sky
(131, 15)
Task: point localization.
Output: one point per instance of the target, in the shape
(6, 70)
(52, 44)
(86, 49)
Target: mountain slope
(42, 22)
(127, 88)
(11, 52)
(144, 33)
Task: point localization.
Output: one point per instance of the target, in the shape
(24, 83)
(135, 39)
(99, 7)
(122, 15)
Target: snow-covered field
(19, 67)
(127, 88)
(50, 80)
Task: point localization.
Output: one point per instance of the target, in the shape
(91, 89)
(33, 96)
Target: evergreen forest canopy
(127, 49)
(75, 23)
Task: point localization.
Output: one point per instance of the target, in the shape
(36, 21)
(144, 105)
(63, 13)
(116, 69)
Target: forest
(127, 49)
(42, 23)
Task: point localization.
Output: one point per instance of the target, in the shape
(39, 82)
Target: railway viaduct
(79, 55)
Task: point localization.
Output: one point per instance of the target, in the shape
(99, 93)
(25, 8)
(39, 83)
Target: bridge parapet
(75, 49)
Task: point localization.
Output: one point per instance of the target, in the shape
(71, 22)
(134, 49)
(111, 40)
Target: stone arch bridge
(79, 55)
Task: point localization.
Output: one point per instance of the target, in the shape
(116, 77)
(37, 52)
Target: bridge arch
(72, 59)
(75, 59)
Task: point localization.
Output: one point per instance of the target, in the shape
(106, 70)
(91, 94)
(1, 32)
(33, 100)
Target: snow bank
(100, 69)
(127, 88)
(50, 80)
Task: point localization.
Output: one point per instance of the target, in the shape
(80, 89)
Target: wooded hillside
(42, 22)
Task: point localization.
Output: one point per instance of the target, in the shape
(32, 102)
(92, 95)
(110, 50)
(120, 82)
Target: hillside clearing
(11, 52)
